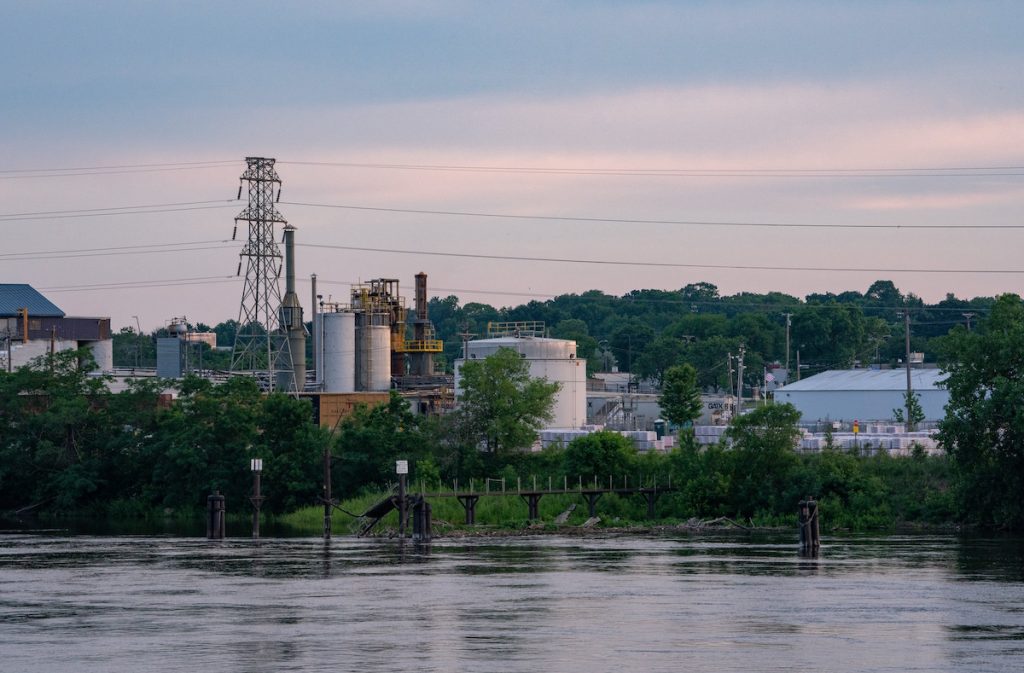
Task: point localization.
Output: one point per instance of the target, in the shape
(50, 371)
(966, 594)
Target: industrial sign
(402, 466)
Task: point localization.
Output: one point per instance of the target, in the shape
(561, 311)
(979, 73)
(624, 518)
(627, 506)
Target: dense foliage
(648, 331)
(984, 425)
(66, 444)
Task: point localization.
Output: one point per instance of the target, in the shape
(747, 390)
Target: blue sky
(630, 86)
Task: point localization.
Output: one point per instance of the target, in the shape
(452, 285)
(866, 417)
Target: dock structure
(470, 497)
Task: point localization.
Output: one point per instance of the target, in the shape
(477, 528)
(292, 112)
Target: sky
(665, 134)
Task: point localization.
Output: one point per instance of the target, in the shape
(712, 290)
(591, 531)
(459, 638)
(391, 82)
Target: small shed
(865, 394)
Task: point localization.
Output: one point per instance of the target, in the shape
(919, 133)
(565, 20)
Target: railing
(420, 346)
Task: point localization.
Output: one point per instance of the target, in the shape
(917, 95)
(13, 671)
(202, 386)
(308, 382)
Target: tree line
(68, 446)
(646, 332)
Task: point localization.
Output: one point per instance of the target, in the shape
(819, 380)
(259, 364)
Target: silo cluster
(355, 350)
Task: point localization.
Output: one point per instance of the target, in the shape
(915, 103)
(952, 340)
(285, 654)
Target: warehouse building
(865, 394)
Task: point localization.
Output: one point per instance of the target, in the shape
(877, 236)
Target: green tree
(599, 454)
(983, 430)
(586, 345)
(763, 456)
(661, 354)
(912, 401)
(501, 407)
(680, 398)
(373, 438)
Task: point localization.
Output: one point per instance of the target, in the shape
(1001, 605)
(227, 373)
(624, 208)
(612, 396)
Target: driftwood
(29, 508)
(564, 516)
(697, 523)
(591, 522)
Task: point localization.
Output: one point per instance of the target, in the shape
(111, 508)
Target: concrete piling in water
(215, 515)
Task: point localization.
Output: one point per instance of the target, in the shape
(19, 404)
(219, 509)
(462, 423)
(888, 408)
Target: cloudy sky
(665, 128)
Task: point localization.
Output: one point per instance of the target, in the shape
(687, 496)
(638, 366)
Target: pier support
(469, 504)
(215, 514)
(810, 530)
(592, 498)
(422, 525)
(532, 504)
(651, 495)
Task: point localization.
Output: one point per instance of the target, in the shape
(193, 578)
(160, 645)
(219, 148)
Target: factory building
(364, 345)
(864, 394)
(553, 359)
(32, 326)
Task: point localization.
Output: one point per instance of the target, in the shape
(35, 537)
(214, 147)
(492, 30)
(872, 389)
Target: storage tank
(374, 354)
(339, 352)
(103, 352)
(553, 359)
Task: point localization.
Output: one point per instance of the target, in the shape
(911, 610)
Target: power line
(617, 220)
(750, 172)
(113, 208)
(670, 265)
(31, 173)
(74, 214)
(109, 248)
(113, 253)
(134, 285)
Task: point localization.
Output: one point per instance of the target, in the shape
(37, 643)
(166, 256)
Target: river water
(561, 604)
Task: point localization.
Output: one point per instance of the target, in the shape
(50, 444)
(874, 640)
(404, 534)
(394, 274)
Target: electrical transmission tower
(260, 343)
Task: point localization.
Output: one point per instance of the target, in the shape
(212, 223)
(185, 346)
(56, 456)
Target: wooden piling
(215, 514)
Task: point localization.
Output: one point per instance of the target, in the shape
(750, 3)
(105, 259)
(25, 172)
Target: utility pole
(788, 323)
(466, 336)
(910, 392)
(732, 388)
(739, 379)
(328, 502)
(797, 364)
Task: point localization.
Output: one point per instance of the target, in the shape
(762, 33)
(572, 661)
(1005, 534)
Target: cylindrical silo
(103, 352)
(374, 358)
(552, 359)
(339, 352)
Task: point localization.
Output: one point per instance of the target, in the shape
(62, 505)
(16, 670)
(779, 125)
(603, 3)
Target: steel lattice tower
(260, 343)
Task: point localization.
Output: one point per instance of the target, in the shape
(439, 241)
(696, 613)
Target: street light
(256, 465)
(138, 343)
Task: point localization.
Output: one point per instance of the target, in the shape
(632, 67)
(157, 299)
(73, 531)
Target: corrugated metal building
(865, 394)
(31, 326)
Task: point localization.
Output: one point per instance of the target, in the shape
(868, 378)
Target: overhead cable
(671, 265)
(619, 220)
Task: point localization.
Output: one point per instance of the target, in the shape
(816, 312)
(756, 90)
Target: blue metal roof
(868, 379)
(14, 296)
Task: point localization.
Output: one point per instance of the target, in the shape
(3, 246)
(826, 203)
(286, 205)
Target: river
(84, 603)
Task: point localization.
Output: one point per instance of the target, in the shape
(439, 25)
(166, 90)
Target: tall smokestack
(423, 361)
(291, 318)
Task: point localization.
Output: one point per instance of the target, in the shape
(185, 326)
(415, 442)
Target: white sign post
(402, 467)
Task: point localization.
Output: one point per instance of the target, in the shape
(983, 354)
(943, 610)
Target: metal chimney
(291, 319)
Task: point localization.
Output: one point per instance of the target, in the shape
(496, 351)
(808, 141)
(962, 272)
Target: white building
(552, 359)
(865, 394)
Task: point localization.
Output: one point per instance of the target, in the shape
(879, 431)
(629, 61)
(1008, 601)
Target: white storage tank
(553, 359)
(339, 352)
(103, 352)
(374, 346)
